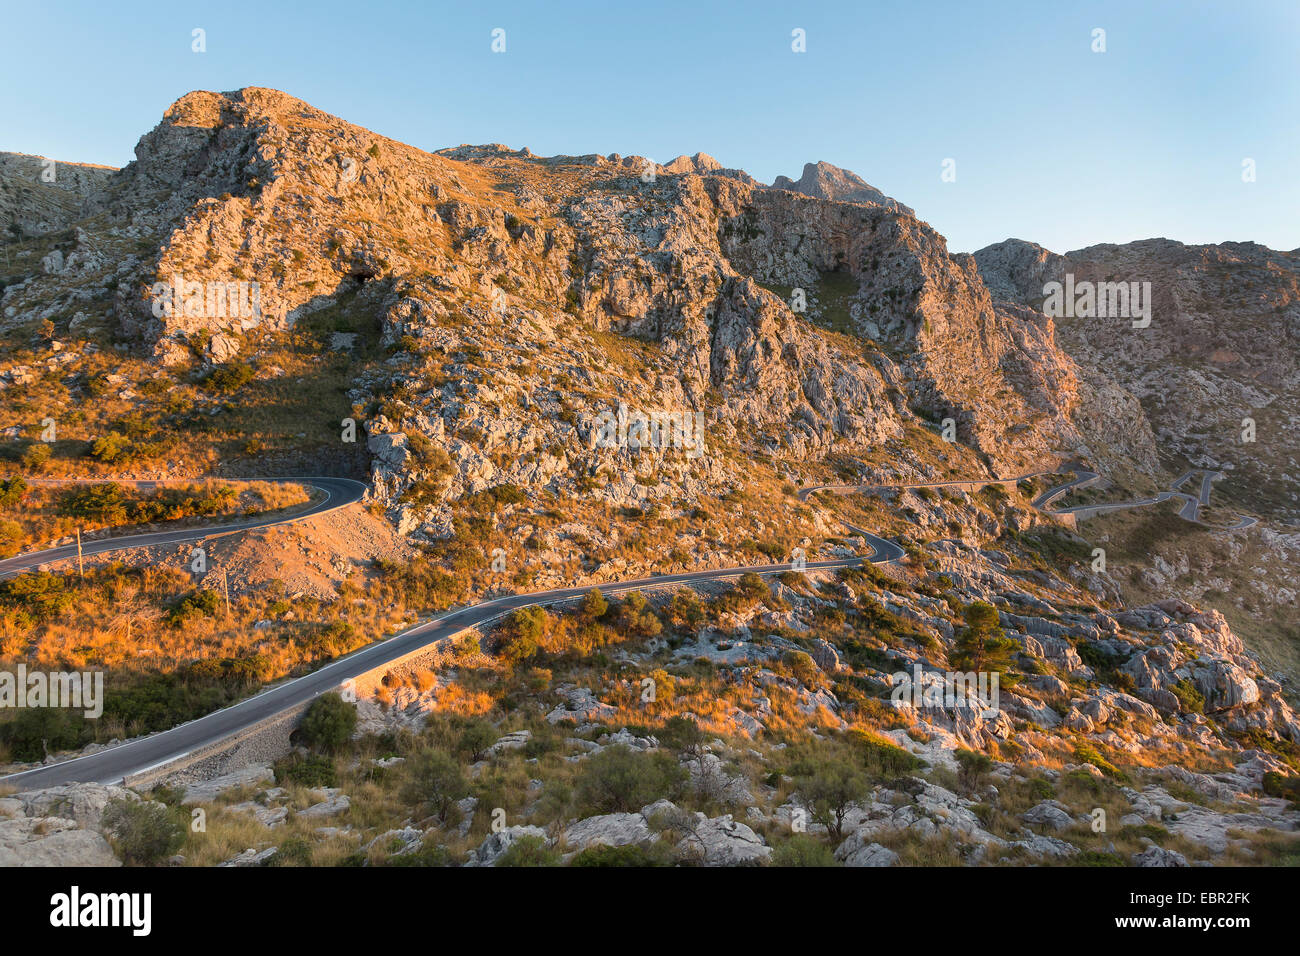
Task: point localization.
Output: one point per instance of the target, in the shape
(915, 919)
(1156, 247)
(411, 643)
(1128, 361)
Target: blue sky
(1052, 142)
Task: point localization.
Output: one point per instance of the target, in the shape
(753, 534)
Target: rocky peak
(823, 181)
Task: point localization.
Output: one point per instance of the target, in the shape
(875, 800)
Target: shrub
(752, 585)
(685, 611)
(198, 603)
(651, 854)
(637, 617)
(683, 735)
(883, 758)
(328, 723)
(619, 779)
(105, 502)
(1090, 755)
(143, 831)
(294, 851)
(803, 850)
(313, 770)
(524, 630)
(229, 378)
(111, 448)
(1191, 699)
(594, 605)
(40, 594)
(12, 491)
(36, 455)
(1276, 785)
(12, 538)
(38, 731)
(528, 851)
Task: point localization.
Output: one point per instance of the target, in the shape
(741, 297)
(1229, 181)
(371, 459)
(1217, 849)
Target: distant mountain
(38, 195)
(1223, 346)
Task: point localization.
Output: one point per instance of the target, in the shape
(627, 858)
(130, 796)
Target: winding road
(145, 753)
(339, 493)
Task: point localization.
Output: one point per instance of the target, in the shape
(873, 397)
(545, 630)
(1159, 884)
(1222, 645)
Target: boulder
(610, 829)
(495, 844)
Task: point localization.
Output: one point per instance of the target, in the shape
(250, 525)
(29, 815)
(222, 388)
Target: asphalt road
(144, 753)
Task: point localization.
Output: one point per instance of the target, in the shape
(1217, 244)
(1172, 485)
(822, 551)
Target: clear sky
(1052, 142)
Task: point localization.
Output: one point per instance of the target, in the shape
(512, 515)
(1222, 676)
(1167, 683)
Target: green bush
(637, 617)
(882, 758)
(1191, 699)
(328, 723)
(36, 455)
(36, 732)
(144, 832)
(621, 780)
(107, 502)
(39, 594)
(594, 605)
(476, 738)
(294, 851)
(111, 448)
(523, 633)
(198, 603)
(313, 770)
(803, 850)
(830, 788)
(1276, 785)
(685, 610)
(651, 854)
(528, 851)
(12, 491)
(1089, 754)
(229, 378)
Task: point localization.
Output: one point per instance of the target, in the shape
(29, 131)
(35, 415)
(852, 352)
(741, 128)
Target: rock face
(264, 209)
(57, 826)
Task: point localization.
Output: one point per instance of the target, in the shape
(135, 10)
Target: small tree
(143, 831)
(982, 645)
(685, 610)
(752, 586)
(972, 766)
(638, 617)
(476, 738)
(328, 723)
(683, 735)
(523, 634)
(829, 789)
(594, 605)
(435, 782)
